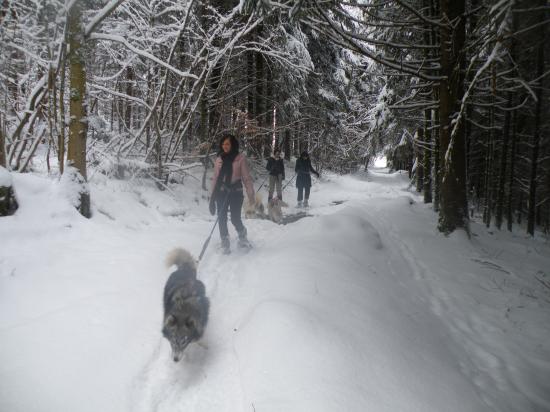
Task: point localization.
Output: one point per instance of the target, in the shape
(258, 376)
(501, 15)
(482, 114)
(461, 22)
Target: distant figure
(231, 172)
(303, 178)
(276, 169)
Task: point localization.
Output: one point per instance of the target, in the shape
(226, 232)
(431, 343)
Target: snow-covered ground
(362, 306)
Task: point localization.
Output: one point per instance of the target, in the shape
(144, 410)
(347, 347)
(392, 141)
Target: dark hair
(234, 143)
(304, 154)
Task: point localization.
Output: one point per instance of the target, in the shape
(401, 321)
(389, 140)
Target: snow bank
(337, 326)
(5, 177)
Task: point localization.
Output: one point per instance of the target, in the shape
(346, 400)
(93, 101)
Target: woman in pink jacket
(231, 173)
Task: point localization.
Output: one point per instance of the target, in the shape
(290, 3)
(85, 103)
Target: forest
(378, 172)
(455, 92)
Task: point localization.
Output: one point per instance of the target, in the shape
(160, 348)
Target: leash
(207, 241)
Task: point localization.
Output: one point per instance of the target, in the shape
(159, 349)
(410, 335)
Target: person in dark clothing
(276, 169)
(303, 178)
(231, 173)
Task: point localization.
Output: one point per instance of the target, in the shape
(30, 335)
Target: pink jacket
(240, 172)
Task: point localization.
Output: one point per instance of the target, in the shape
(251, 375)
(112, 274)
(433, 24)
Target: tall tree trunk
(203, 133)
(437, 167)
(287, 146)
(129, 92)
(112, 116)
(532, 204)
(250, 83)
(150, 93)
(78, 126)
(260, 106)
(158, 150)
(519, 209)
(2, 145)
(501, 195)
(453, 211)
(503, 159)
(429, 39)
(62, 125)
(52, 115)
(510, 200)
(419, 154)
(120, 109)
(268, 141)
(428, 157)
(489, 167)
(436, 40)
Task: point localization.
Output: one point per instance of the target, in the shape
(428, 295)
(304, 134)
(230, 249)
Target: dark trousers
(275, 182)
(233, 203)
(301, 193)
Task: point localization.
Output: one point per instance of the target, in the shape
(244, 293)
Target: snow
(101, 15)
(327, 94)
(5, 177)
(380, 113)
(362, 306)
(380, 162)
(142, 53)
(404, 138)
(71, 185)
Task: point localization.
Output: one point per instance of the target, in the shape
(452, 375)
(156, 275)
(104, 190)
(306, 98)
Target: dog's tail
(181, 258)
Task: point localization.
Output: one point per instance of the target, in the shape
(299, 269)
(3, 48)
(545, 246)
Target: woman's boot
(226, 245)
(243, 240)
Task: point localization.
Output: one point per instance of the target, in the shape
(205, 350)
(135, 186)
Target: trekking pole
(207, 241)
(263, 183)
(287, 183)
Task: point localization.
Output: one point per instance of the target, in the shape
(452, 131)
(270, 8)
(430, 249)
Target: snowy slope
(361, 307)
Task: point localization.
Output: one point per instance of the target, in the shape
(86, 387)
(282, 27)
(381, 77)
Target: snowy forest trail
(362, 306)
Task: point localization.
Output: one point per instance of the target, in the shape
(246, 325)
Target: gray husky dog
(185, 304)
